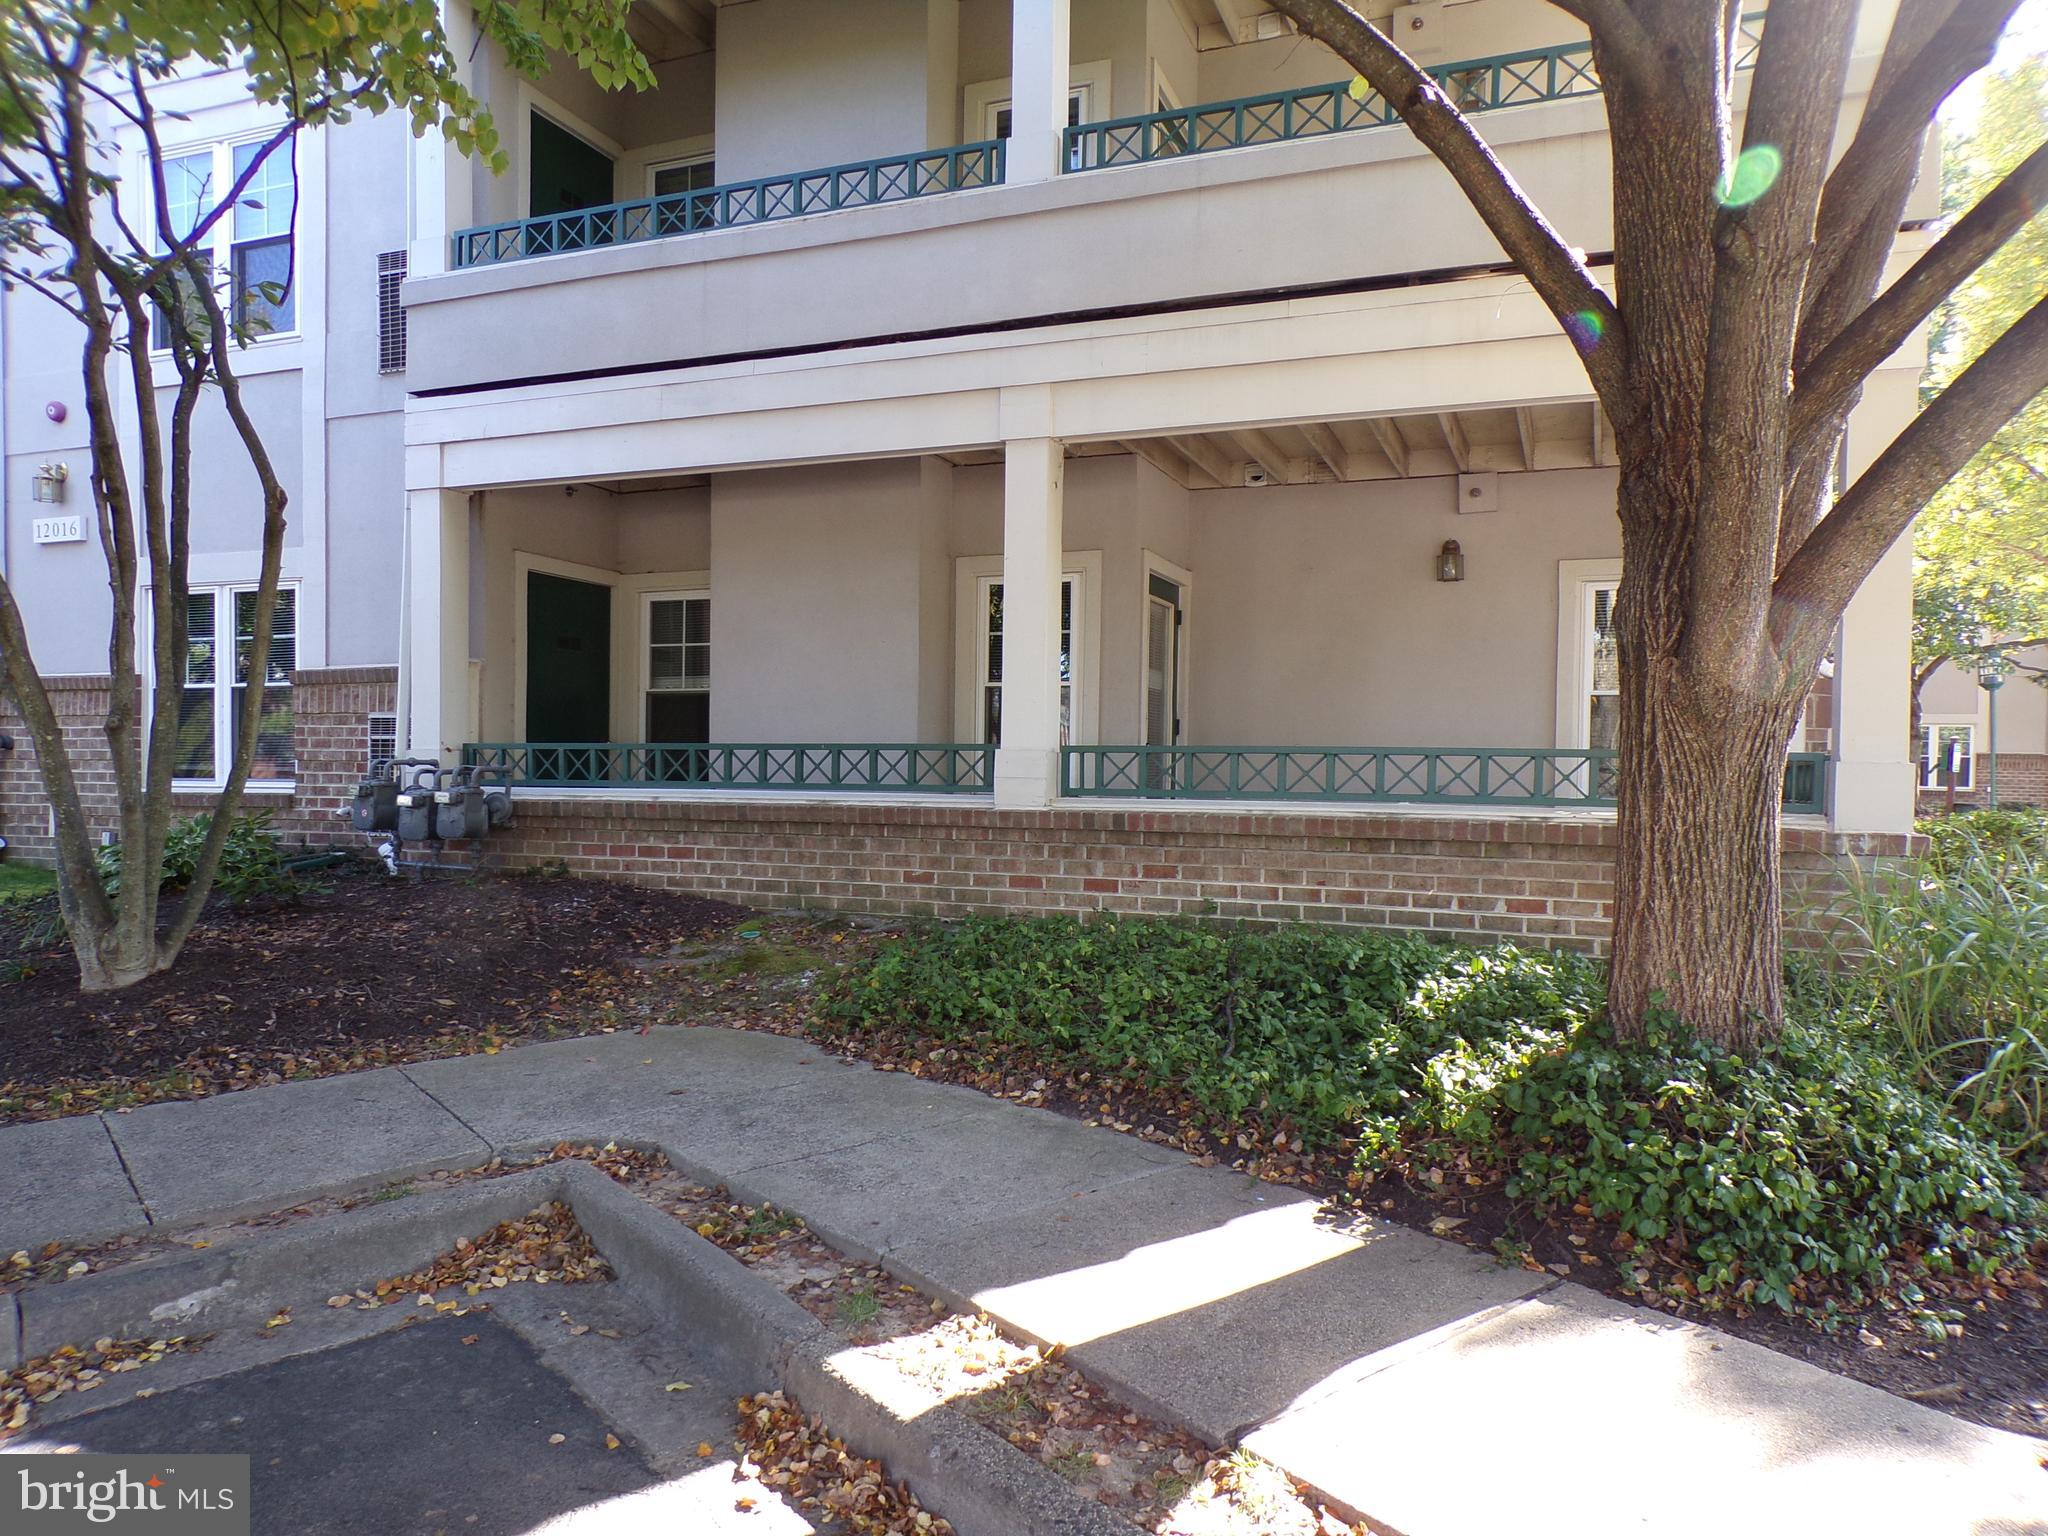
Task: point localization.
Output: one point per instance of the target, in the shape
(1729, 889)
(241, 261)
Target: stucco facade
(1198, 426)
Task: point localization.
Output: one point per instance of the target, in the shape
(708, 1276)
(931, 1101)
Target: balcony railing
(1475, 85)
(863, 184)
(1536, 777)
(925, 768)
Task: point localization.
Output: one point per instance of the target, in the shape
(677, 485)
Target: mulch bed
(364, 971)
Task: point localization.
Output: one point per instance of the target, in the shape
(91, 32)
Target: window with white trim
(1945, 746)
(214, 699)
(692, 173)
(251, 243)
(989, 655)
(1601, 666)
(676, 677)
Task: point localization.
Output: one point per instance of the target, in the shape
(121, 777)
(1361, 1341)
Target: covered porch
(1407, 611)
(1350, 553)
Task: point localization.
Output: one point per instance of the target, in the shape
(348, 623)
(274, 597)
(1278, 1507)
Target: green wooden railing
(944, 768)
(1475, 85)
(861, 184)
(1412, 775)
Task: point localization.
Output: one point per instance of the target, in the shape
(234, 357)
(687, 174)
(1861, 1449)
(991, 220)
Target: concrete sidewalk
(1408, 1379)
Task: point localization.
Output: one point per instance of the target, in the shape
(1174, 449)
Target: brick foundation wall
(1548, 882)
(330, 738)
(2022, 780)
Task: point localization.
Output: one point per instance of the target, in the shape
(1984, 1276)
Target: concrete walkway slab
(1571, 1413)
(1210, 1299)
(62, 1180)
(1433, 1391)
(263, 1148)
(918, 1183)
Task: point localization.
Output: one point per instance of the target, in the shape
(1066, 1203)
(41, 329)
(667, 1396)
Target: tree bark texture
(1744, 320)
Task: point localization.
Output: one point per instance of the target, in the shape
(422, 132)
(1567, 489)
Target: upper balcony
(668, 228)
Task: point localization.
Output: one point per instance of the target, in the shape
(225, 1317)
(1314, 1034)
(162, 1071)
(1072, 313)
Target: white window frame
(637, 166)
(1157, 564)
(648, 598)
(971, 575)
(1934, 725)
(1576, 580)
(223, 680)
(220, 239)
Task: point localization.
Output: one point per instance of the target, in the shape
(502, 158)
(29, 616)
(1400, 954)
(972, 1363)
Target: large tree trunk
(1701, 774)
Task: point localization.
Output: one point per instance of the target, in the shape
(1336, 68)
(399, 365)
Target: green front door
(568, 659)
(563, 172)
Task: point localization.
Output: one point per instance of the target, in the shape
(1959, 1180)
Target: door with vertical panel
(568, 659)
(1162, 675)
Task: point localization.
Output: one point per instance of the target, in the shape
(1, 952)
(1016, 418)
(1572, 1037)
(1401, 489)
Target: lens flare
(1585, 329)
(1360, 89)
(1754, 173)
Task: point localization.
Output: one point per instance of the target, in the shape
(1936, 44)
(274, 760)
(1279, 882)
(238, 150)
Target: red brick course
(330, 727)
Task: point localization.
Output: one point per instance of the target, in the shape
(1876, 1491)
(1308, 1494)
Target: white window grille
(390, 312)
(383, 738)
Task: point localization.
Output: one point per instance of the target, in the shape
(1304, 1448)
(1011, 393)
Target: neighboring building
(1956, 728)
(1124, 385)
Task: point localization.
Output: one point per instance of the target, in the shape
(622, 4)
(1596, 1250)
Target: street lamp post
(1993, 668)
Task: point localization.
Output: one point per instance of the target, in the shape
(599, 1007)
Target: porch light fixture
(48, 485)
(1450, 562)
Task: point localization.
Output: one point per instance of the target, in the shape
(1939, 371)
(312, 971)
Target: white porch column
(434, 661)
(443, 199)
(1028, 761)
(1874, 776)
(1039, 85)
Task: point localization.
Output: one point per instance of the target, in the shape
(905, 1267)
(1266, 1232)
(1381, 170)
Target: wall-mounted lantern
(1450, 562)
(48, 485)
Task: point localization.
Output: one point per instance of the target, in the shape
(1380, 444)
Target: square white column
(1039, 85)
(1874, 775)
(1028, 759)
(434, 666)
(442, 186)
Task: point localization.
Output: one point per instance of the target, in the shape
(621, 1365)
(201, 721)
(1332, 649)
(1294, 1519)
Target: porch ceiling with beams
(1572, 435)
(673, 29)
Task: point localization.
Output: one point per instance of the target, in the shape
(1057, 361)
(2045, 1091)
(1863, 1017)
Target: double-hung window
(989, 652)
(251, 243)
(1948, 749)
(223, 680)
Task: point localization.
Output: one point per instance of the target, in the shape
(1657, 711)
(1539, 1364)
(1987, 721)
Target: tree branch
(1866, 191)
(1823, 386)
(1883, 502)
(1762, 249)
(1559, 277)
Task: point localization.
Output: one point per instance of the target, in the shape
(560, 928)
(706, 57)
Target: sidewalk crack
(126, 1172)
(435, 1099)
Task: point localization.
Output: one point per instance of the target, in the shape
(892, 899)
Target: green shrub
(251, 862)
(1949, 964)
(1787, 1178)
(1778, 1178)
(2011, 834)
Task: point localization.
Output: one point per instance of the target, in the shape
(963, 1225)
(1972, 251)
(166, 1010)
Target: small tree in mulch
(133, 268)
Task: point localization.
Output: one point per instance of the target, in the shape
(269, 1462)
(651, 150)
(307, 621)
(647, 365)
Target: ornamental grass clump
(1947, 964)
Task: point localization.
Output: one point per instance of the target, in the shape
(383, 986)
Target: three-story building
(947, 454)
